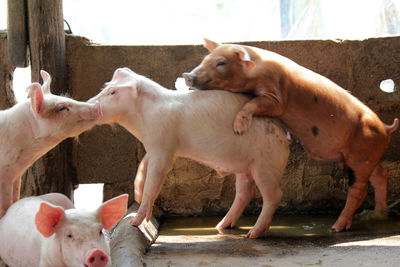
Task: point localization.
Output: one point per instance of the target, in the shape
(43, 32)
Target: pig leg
(268, 104)
(379, 181)
(268, 182)
(141, 178)
(160, 162)
(16, 189)
(363, 168)
(245, 192)
(6, 198)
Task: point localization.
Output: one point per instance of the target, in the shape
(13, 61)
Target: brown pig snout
(189, 78)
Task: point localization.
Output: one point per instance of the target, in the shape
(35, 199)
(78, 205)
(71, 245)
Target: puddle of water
(281, 226)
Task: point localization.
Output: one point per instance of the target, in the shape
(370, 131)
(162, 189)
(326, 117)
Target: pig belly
(20, 242)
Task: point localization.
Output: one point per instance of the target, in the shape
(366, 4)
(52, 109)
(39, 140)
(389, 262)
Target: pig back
(206, 129)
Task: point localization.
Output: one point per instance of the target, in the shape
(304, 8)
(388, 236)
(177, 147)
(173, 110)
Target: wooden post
(16, 33)
(47, 42)
(53, 172)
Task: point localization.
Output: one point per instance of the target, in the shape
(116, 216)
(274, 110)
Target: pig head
(31, 128)
(35, 232)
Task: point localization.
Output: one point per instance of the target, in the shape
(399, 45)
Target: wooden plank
(16, 33)
(54, 170)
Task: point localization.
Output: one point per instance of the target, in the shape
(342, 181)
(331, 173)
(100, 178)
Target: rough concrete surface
(227, 251)
(291, 241)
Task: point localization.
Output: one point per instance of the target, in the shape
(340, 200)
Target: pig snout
(189, 78)
(94, 112)
(96, 258)
(99, 111)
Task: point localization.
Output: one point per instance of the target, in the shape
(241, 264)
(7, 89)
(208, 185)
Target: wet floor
(281, 226)
(292, 241)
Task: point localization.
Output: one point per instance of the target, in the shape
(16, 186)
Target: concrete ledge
(129, 243)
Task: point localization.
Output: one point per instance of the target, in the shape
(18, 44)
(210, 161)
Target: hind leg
(268, 182)
(379, 181)
(245, 191)
(363, 168)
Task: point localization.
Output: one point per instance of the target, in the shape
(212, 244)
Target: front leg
(16, 189)
(140, 178)
(160, 162)
(267, 104)
(245, 191)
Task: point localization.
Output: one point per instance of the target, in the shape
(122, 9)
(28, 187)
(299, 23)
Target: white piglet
(31, 128)
(47, 231)
(197, 125)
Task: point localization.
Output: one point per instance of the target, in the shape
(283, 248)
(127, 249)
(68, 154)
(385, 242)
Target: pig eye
(220, 63)
(69, 235)
(113, 92)
(62, 108)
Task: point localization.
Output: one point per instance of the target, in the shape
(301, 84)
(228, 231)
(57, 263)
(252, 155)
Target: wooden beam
(47, 42)
(54, 171)
(16, 33)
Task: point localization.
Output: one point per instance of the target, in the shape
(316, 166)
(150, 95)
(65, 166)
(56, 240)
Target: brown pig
(331, 124)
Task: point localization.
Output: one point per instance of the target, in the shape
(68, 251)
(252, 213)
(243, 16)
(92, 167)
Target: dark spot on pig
(314, 130)
(352, 177)
(315, 99)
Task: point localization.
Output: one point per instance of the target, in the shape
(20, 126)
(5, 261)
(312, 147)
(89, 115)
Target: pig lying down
(31, 128)
(196, 125)
(330, 123)
(48, 231)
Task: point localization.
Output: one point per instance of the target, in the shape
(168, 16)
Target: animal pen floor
(291, 241)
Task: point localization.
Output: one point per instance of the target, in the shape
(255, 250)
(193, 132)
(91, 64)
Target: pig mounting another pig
(31, 128)
(47, 231)
(196, 125)
(330, 123)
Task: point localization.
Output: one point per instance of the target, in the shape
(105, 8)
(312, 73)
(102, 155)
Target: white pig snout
(92, 111)
(96, 258)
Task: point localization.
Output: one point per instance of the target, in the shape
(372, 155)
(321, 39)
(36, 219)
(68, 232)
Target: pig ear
(124, 77)
(36, 96)
(244, 56)
(112, 211)
(210, 45)
(46, 81)
(47, 219)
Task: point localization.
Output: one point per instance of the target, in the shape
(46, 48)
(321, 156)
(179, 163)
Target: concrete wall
(112, 155)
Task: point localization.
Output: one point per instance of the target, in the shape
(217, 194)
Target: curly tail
(391, 128)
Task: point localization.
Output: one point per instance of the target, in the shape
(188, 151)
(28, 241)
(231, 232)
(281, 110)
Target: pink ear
(210, 45)
(36, 95)
(47, 218)
(244, 56)
(46, 81)
(125, 78)
(112, 211)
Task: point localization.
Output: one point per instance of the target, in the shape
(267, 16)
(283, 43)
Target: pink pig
(31, 128)
(196, 125)
(48, 231)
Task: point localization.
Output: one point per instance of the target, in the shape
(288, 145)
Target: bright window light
(88, 196)
(21, 80)
(160, 22)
